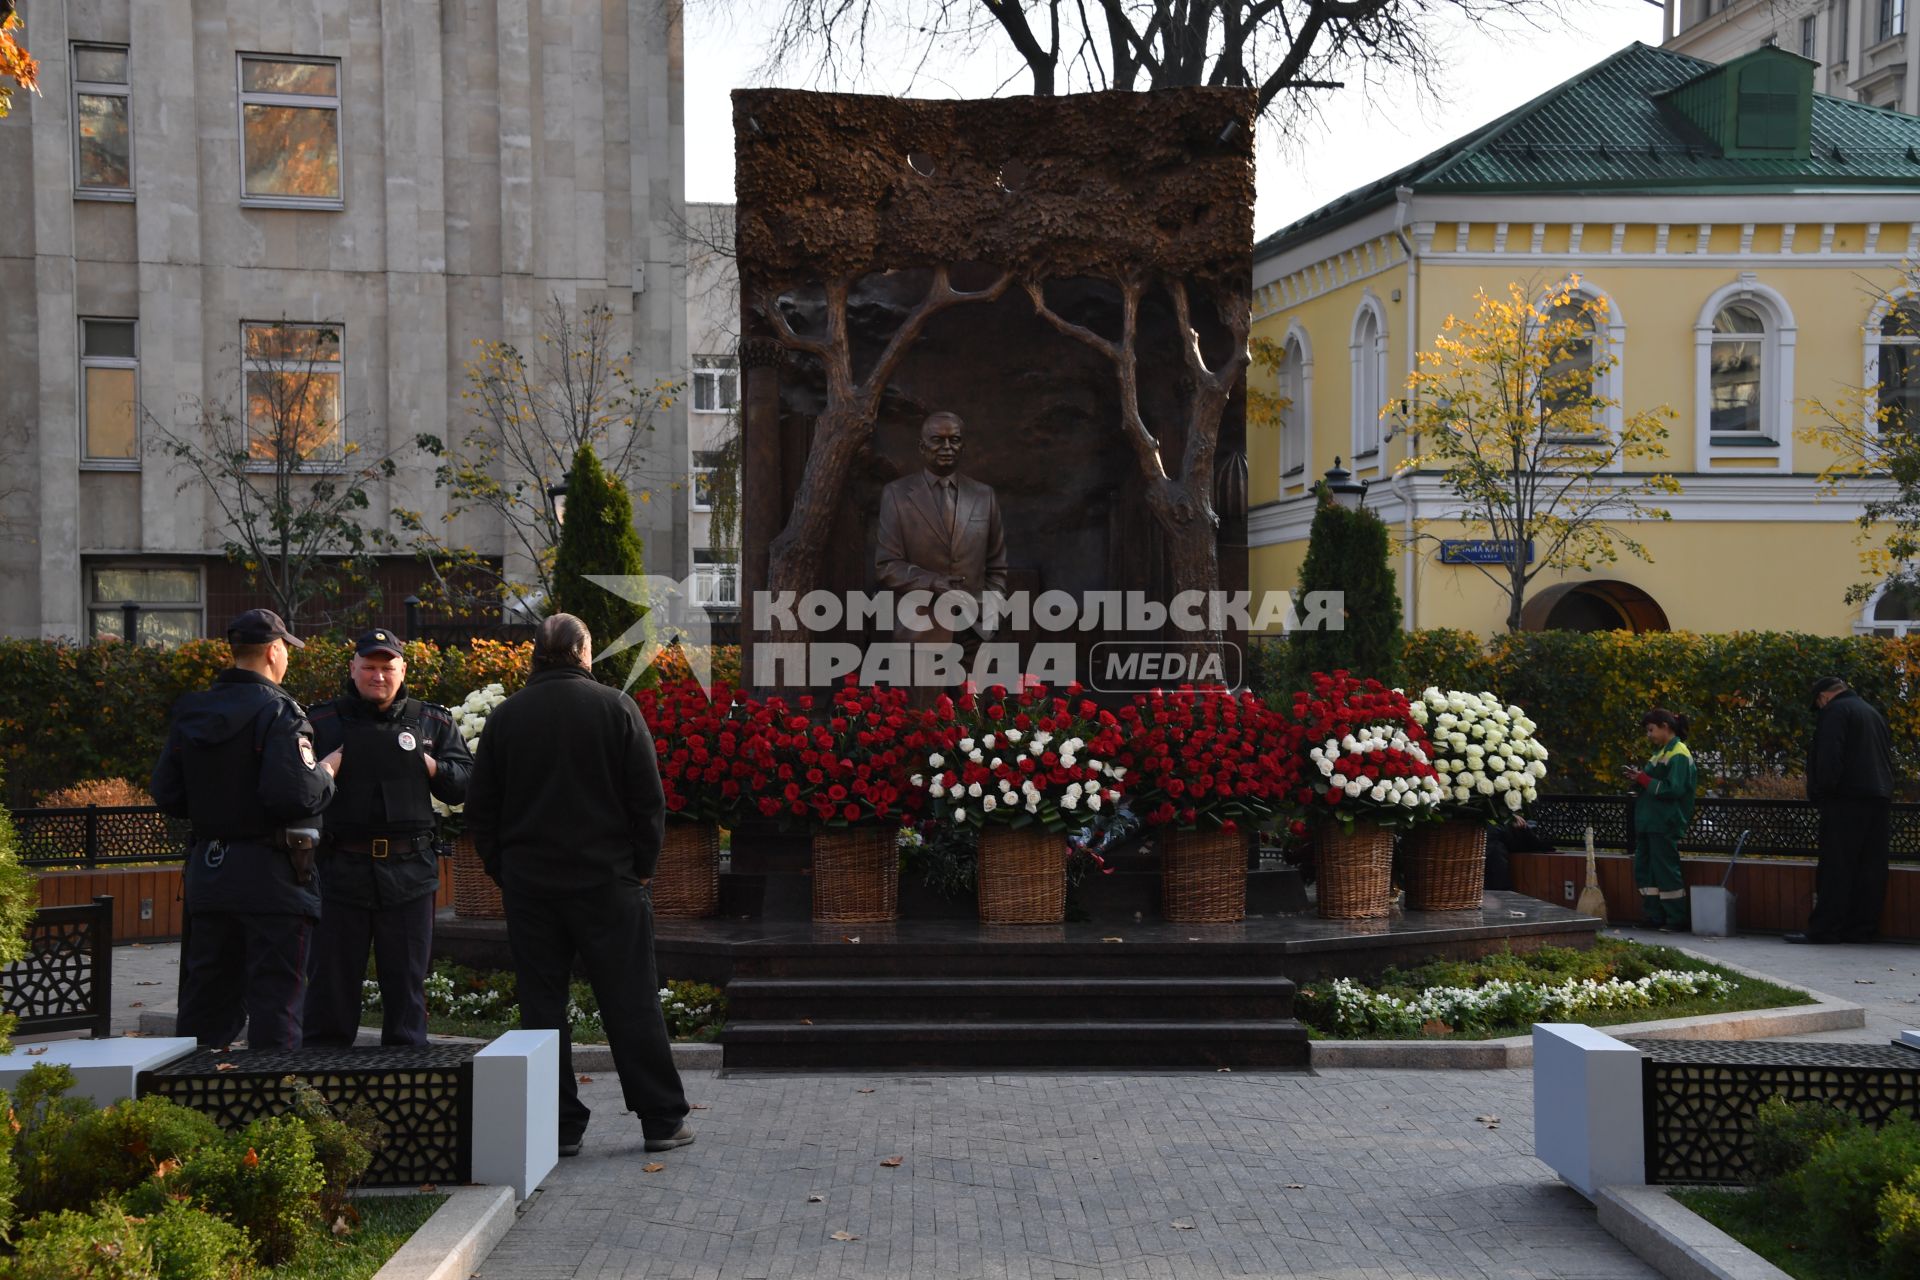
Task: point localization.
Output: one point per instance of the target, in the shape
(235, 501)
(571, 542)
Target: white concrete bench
(1588, 1119)
(103, 1070)
(516, 1110)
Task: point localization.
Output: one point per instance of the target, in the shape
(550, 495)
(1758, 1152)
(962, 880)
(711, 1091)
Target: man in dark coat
(240, 765)
(1850, 777)
(379, 865)
(568, 815)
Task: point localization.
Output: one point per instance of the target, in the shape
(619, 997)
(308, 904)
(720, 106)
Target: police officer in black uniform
(378, 861)
(240, 765)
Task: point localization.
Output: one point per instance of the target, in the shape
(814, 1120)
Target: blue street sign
(1481, 551)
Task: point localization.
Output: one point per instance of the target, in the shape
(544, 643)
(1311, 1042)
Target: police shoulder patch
(306, 752)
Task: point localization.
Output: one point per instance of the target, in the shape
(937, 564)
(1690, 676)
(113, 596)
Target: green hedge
(1745, 692)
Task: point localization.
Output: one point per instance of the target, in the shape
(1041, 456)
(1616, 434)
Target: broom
(1592, 902)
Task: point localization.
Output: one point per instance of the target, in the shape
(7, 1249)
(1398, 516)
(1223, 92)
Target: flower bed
(1504, 994)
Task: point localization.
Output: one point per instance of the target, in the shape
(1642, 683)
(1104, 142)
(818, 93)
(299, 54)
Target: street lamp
(1343, 488)
(557, 501)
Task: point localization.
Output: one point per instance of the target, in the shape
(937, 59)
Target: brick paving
(1061, 1175)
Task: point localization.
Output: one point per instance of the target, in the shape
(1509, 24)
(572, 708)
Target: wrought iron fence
(99, 836)
(1776, 827)
(65, 981)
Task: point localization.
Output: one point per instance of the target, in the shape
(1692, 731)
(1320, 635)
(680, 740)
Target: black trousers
(610, 929)
(1851, 882)
(401, 939)
(244, 971)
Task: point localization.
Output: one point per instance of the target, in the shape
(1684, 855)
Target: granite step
(1275, 1044)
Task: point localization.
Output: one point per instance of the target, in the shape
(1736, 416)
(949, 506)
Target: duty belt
(383, 846)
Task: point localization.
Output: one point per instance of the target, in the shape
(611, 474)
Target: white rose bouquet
(1489, 762)
(470, 717)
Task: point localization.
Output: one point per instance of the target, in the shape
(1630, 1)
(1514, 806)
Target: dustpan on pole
(1592, 902)
(1713, 914)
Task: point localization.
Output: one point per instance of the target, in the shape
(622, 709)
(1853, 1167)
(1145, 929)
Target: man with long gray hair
(567, 813)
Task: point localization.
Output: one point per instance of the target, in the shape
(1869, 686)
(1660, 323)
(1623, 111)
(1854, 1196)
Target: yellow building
(1745, 233)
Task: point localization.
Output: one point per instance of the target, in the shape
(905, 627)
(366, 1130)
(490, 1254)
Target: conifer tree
(1347, 552)
(597, 538)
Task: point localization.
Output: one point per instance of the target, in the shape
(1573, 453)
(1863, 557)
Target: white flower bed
(1485, 753)
(1355, 1011)
(470, 717)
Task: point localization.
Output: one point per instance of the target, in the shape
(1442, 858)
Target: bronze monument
(940, 532)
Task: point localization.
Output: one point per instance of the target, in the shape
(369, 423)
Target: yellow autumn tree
(1509, 407)
(17, 66)
(1872, 433)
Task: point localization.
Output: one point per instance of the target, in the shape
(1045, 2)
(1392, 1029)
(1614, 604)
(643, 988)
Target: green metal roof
(1616, 127)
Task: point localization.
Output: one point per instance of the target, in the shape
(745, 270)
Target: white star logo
(668, 616)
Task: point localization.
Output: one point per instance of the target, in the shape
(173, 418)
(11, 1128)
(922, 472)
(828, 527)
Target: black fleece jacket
(1852, 755)
(565, 794)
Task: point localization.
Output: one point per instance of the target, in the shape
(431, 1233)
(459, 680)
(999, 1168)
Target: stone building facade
(410, 178)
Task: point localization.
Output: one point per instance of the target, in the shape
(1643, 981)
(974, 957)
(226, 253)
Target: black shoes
(1811, 939)
(681, 1137)
(570, 1148)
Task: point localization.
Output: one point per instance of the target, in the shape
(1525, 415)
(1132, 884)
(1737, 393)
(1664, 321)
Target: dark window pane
(1736, 387)
(110, 338)
(106, 155)
(292, 151)
(146, 586)
(260, 76)
(1738, 319)
(110, 414)
(1903, 321)
(102, 66)
(298, 342)
(1900, 386)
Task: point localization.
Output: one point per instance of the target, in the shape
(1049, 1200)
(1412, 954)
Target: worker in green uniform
(1662, 808)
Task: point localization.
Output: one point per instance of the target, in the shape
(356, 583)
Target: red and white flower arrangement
(1207, 758)
(1367, 756)
(849, 761)
(1487, 757)
(1023, 758)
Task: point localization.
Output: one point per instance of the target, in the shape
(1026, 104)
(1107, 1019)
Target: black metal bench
(65, 981)
(1778, 827)
(1700, 1096)
(421, 1095)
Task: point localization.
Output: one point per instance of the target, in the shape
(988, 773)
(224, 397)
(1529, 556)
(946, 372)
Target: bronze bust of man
(939, 532)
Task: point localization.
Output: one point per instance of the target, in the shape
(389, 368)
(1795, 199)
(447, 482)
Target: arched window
(1565, 388)
(1369, 352)
(1739, 349)
(1894, 610)
(1296, 387)
(1896, 356)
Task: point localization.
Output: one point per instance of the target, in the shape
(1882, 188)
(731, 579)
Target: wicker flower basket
(1354, 873)
(1447, 866)
(686, 881)
(1023, 876)
(856, 875)
(1203, 876)
(475, 895)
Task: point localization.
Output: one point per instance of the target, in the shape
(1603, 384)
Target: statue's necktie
(953, 505)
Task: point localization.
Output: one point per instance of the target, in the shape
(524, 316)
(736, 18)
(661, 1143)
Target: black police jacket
(383, 792)
(239, 764)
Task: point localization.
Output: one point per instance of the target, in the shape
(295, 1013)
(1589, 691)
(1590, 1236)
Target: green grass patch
(1329, 1016)
(386, 1223)
(1782, 1239)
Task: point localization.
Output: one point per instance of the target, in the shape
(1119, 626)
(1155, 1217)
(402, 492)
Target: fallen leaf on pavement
(141, 1004)
(892, 1162)
(816, 1199)
(428, 1188)
(1113, 939)
(698, 1106)
(40, 1050)
(806, 1022)
(1296, 1186)
(863, 1091)
(147, 984)
(1492, 1122)
(226, 1066)
(586, 1079)
(1863, 982)
(1183, 1226)
(843, 1235)
(849, 937)
(655, 1167)
(1224, 1070)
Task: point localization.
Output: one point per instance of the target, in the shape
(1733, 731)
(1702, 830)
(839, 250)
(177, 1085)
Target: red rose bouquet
(1366, 755)
(1208, 758)
(702, 743)
(1021, 759)
(847, 761)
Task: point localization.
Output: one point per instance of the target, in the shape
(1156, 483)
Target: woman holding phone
(1662, 808)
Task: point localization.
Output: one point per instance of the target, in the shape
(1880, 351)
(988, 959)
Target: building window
(1739, 346)
(103, 121)
(1369, 351)
(1896, 368)
(1893, 18)
(716, 385)
(716, 582)
(293, 380)
(109, 392)
(705, 463)
(1296, 383)
(1567, 388)
(290, 131)
(1809, 37)
(1894, 611)
(1838, 51)
(170, 606)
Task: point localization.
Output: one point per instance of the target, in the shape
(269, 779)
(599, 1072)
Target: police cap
(260, 626)
(378, 640)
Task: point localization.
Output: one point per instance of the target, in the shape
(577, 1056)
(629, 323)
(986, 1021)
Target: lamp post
(1343, 488)
(557, 500)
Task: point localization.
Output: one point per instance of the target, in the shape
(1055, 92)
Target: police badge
(306, 753)
(407, 741)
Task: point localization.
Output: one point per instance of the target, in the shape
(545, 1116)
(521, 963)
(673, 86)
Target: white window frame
(89, 608)
(1296, 422)
(103, 89)
(1838, 52)
(1870, 369)
(1369, 361)
(1774, 444)
(1890, 20)
(727, 373)
(716, 583)
(696, 469)
(1609, 343)
(1810, 37)
(335, 462)
(1866, 625)
(87, 461)
(319, 102)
